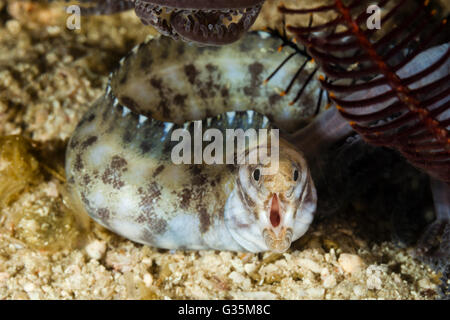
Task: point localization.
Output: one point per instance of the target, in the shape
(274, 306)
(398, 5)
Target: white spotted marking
(126, 204)
(127, 228)
(180, 228)
(98, 153)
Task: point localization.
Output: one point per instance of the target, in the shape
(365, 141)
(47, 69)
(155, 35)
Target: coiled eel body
(118, 161)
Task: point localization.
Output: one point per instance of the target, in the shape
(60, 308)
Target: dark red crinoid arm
(391, 87)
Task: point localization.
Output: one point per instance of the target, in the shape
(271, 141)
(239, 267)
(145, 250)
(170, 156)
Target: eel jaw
(216, 23)
(278, 243)
(277, 237)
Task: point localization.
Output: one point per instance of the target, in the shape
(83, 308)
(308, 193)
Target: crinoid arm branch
(441, 198)
(391, 85)
(435, 241)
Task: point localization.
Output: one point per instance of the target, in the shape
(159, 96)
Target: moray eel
(207, 22)
(215, 22)
(119, 162)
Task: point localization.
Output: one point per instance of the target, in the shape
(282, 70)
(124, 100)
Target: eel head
(272, 208)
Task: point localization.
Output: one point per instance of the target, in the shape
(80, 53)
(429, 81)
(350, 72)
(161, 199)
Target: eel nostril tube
(275, 212)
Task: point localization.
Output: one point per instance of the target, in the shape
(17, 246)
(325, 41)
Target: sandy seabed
(48, 77)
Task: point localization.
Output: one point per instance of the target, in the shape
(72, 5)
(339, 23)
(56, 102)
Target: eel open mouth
(206, 22)
(275, 217)
(277, 242)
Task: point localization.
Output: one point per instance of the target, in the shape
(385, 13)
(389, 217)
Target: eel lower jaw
(277, 238)
(278, 243)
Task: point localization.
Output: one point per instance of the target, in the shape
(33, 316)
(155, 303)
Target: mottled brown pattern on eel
(118, 159)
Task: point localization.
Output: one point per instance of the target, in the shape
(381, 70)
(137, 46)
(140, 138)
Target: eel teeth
(135, 48)
(230, 116)
(167, 127)
(250, 114)
(125, 111)
(142, 119)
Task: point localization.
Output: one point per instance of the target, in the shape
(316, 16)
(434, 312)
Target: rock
(350, 263)
(316, 293)
(96, 249)
(28, 287)
(236, 277)
(310, 265)
(250, 267)
(4, 276)
(254, 295)
(328, 280)
(374, 276)
(374, 282)
(148, 279)
(359, 290)
(426, 284)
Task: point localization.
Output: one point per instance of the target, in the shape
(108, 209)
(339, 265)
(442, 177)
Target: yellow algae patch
(19, 169)
(32, 208)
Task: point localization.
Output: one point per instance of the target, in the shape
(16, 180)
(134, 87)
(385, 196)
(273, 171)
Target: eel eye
(295, 175)
(256, 174)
